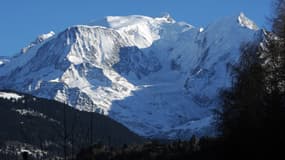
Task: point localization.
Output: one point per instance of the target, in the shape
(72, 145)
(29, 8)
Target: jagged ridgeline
(43, 127)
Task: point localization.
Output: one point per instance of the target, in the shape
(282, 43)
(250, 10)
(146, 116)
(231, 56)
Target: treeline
(196, 148)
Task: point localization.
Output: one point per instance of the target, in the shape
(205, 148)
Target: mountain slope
(158, 77)
(37, 125)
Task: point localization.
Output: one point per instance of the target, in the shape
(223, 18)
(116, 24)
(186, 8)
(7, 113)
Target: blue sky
(23, 20)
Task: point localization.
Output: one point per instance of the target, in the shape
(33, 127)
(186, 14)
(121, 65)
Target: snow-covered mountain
(158, 77)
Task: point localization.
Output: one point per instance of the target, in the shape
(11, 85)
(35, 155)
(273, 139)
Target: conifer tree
(252, 119)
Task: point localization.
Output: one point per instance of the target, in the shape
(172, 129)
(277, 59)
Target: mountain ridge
(37, 125)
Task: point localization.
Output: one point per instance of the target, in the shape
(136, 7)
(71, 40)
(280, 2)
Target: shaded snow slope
(158, 77)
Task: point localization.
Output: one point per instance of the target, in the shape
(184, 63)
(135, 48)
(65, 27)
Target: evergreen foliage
(37, 124)
(252, 119)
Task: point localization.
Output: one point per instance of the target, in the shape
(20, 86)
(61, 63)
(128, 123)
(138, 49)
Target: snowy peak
(168, 18)
(232, 23)
(119, 22)
(40, 39)
(44, 37)
(141, 31)
(246, 22)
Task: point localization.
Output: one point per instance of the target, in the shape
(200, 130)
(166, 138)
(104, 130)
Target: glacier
(158, 77)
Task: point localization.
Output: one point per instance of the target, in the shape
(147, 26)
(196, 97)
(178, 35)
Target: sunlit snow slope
(158, 77)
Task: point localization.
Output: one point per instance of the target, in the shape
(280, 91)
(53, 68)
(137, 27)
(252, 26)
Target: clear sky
(23, 20)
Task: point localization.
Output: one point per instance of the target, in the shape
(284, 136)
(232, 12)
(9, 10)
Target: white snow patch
(55, 80)
(46, 36)
(6, 95)
(30, 112)
(4, 60)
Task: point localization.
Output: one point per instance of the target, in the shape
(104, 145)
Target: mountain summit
(158, 77)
